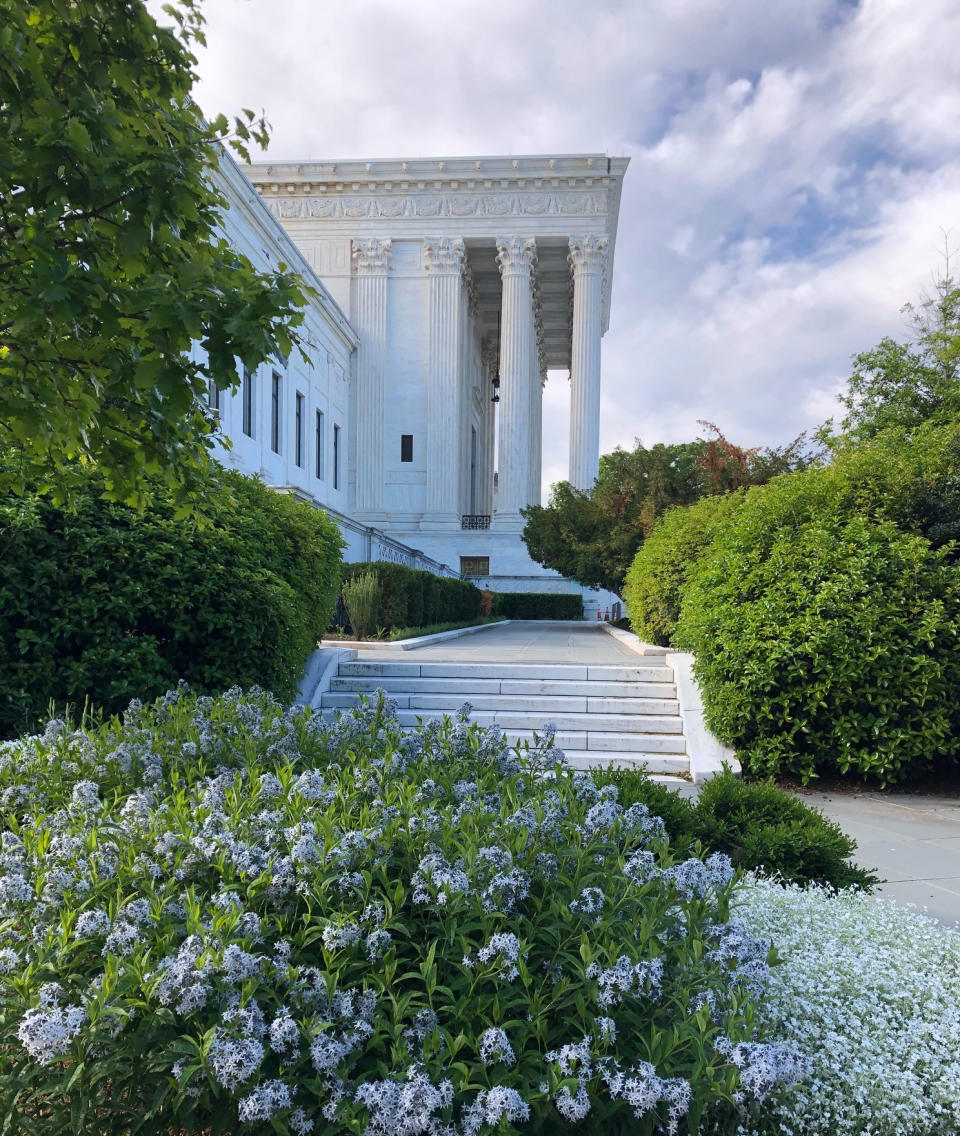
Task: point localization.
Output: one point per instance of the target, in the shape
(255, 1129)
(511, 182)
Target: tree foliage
(111, 261)
(898, 386)
(593, 537)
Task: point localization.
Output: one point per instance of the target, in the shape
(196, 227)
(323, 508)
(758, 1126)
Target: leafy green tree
(593, 537)
(112, 265)
(898, 386)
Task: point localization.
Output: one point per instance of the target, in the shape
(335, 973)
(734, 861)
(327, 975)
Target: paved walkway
(913, 842)
(522, 643)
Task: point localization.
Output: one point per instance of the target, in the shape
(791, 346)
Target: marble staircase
(605, 715)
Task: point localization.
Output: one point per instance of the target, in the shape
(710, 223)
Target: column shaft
(444, 259)
(515, 257)
(587, 255)
(371, 259)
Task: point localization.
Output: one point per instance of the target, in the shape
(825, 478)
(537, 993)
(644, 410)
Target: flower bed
(220, 913)
(872, 992)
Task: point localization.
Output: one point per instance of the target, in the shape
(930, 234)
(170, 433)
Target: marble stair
(605, 715)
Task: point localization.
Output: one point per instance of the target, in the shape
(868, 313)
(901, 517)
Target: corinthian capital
(371, 254)
(444, 254)
(588, 254)
(516, 255)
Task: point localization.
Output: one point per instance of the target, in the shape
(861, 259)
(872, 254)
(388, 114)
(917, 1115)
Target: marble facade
(465, 279)
(442, 293)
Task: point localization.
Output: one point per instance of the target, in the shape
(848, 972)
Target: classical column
(444, 259)
(488, 373)
(587, 257)
(537, 379)
(516, 257)
(371, 263)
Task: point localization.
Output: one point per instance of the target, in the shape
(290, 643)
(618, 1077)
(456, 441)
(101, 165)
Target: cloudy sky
(793, 165)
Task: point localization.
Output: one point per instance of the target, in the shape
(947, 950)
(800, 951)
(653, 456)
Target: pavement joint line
(921, 879)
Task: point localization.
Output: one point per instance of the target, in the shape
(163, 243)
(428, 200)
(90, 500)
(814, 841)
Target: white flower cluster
(871, 992)
(626, 977)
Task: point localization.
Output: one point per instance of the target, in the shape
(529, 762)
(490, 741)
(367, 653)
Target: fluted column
(587, 259)
(444, 260)
(516, 258)
(488, 374)
(371, 264)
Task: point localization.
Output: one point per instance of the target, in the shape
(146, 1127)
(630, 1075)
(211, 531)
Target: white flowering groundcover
(871, 992)
(222, 916)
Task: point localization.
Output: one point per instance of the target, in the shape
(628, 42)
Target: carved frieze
(361, 207)
(371, 255)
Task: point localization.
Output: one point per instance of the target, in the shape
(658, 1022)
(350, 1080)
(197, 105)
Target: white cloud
(792, 164)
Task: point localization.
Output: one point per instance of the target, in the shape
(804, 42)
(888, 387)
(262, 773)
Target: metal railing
(475, 521)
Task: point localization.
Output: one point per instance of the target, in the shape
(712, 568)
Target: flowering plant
(219, 913)
(872, 992)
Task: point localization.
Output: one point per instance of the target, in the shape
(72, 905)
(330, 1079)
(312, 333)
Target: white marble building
(445, 290)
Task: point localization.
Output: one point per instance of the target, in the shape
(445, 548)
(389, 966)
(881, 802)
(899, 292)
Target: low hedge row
(537, 605)
(410, 597)
(100, 603)
(760, 827)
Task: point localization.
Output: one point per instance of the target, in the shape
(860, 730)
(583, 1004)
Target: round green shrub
(658, 574)
(223, 916)
(99, 602)
(825, 644)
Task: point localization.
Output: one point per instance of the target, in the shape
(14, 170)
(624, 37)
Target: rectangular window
(213, 395)
(299, 429)
(474, 565)
(406, 447)
(320, 445)
(336, 456)
(275, 415)
(247, 402)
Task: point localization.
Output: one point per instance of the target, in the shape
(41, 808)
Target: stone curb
(634, 642)
(707, 754)
(320, 670)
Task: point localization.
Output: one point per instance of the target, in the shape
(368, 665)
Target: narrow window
(336, 456)
(213, 395)
(247, 402)
(320, 440)
(275, 415)
(299, 429)
(406, 447)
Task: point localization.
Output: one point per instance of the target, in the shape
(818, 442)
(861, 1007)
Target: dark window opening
(247, 403)
(319, 468)
(336, 456)
(406, 447)
(299, 430)
(474, 565)
(275, 415)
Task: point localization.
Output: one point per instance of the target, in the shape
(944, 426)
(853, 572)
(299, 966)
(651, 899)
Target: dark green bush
(760, 827)
(100, 603)
(537, 605)
(658, 574)
(410, 597)
(828, 645)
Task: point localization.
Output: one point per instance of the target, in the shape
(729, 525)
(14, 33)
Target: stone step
(530, 686)
(651, 762)
(607, 742)
(513, 703)
(649, 671)
(594, 725)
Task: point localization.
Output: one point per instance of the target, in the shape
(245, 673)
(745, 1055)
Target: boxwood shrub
(756, 824)
(828, 645)
(220, 916)
(657, 577)
(99, 601)
(411, 597)
(537, 605)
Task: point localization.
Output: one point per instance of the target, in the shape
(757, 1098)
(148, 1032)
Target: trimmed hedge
(537, 605)
(410, 597)
(100, 603)
(658, 574)
(760, 827)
